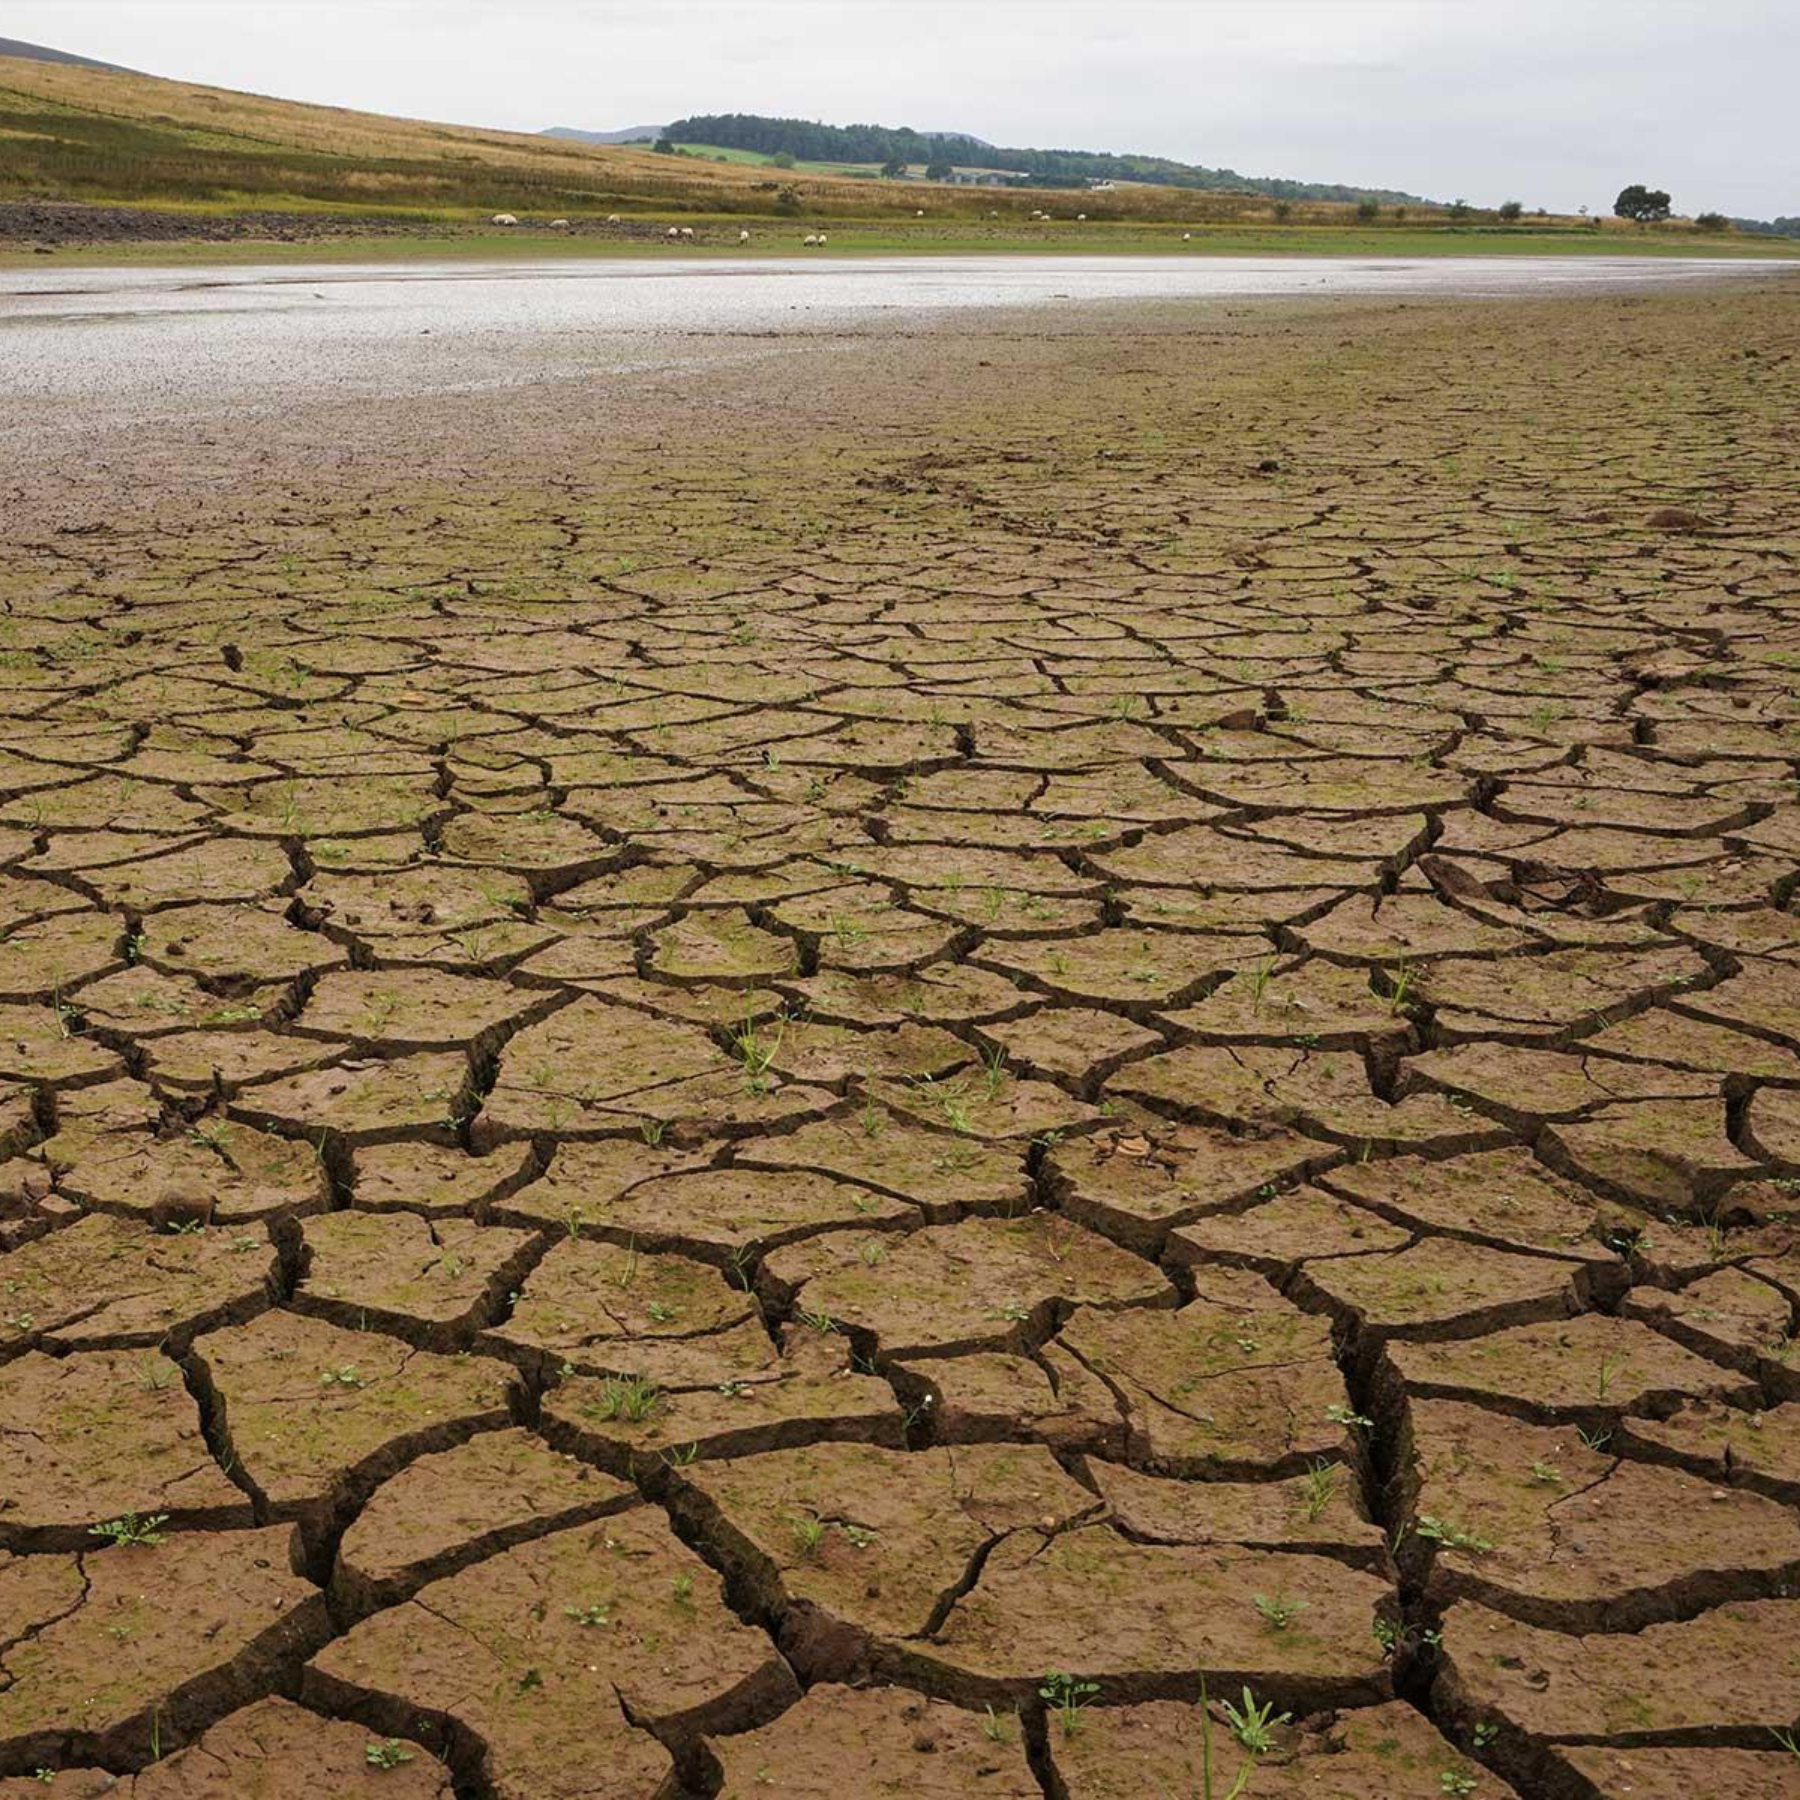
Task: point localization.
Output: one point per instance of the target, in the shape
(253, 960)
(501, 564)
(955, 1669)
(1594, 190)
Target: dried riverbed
(807, 1073)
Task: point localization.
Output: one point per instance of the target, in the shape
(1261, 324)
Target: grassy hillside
(111, 138)
(74, 133)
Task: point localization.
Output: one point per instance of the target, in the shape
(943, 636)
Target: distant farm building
(985, 177)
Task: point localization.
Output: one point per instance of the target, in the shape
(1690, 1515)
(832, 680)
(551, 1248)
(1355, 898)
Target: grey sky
(1556, 103)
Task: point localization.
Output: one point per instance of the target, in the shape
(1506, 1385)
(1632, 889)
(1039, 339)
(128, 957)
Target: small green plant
(589, 1617)
(1546, 1474)
(1788, 1741)
(629, 1398)
(757, 1051)
(1318, 1488)
(1485, 1734)
(809, 1535)
(1246, 1768)
(1258, 978)
(1450, 1536)
(389, 1753)
(344, 1376)
(1454, 1781)
(1402, 989)
(994, 1728)
(1253, 1725)
(132, 1530)
(1344, 1415)
(157, 1376)
(683, 1589)
(1278, 1612)
(1066, 1696)
(1609, 1367)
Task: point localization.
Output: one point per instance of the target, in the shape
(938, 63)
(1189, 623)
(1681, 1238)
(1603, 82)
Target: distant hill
(43, 53)
(632, 134)
(808, 141)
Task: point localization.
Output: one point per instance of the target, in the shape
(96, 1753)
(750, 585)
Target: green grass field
(896, 239)
(756, 159)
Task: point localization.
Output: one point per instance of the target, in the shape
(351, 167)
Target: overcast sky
(1557, 103)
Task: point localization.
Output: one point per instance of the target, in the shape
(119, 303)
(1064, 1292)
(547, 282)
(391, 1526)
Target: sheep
(1187, 237)
(687, 233)
(612, 218)
(559, 224)
(823, 239)
(920, 213)
(743, 237)
(810, 240)
(503, 219)
(1080, 218)
(674, 231)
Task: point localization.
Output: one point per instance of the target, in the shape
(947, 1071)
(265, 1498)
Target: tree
(1712, 221)
(937, 171)
(1511, 211)
(665, 146)
(1647, 206)
(894, 169)
(1368, 210)
(782, 159)
(1459, 209)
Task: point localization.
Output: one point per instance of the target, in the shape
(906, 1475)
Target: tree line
(806, 140)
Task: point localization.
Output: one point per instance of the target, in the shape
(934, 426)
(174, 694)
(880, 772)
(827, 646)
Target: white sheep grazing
(612, 218)
(674, 231)
(1080, 217)
(687, 233)
(811, 238)
(503, 219)
(743, 237)
(920, 213)
(559, 224)
(1187, 237)
(823, 239)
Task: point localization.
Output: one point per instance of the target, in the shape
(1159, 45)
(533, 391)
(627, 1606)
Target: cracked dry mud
(775, 1107)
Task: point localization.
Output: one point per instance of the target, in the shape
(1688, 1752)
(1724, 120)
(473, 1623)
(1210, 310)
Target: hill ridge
(18, 47)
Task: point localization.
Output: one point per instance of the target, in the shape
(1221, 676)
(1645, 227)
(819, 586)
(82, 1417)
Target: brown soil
(695, 1079)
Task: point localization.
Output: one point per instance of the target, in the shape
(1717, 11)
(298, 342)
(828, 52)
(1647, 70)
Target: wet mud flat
(814, 1078)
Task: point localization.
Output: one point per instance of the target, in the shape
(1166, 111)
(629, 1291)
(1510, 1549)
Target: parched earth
(825, 1095)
